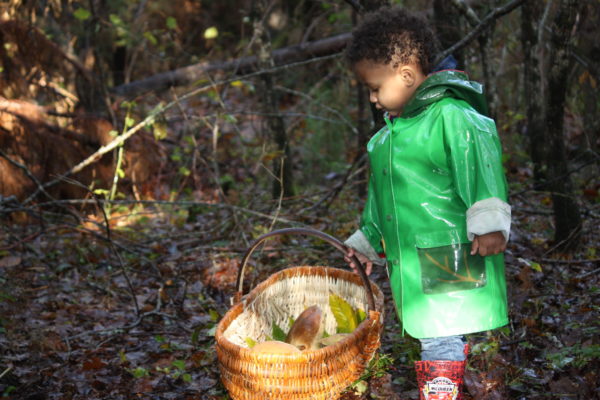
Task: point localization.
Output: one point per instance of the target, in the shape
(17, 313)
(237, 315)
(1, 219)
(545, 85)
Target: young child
(436, 204)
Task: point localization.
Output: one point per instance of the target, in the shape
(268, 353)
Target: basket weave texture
(311, 374)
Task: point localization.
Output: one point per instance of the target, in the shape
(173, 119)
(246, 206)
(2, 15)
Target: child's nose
(372, 97)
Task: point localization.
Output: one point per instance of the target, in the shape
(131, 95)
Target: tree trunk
(488, 71)
(364, 133)
(363, 138)
(283, 184)
(588, 50)
(534, 99)
(447, 24)
(566, 209)
(282, 165)
(89, 92)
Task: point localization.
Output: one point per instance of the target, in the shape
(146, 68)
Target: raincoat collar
(442, 84)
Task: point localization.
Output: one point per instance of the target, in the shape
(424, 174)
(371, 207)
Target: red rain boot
(441, 380)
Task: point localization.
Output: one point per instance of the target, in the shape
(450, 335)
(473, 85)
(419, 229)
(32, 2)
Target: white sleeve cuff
(489, 215)
(359, 241)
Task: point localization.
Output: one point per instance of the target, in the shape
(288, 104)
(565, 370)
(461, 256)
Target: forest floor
(71, 329)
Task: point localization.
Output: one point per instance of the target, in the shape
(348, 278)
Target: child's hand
(368, 264)
(488, 244)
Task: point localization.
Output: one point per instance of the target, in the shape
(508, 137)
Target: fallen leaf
(93, 363)
(10, 261)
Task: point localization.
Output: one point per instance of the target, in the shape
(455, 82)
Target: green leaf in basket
(361, 314)
(250, 342)
(345, 315)
(278, 333)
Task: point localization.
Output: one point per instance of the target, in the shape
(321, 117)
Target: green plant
(579, 356)
(377, 368)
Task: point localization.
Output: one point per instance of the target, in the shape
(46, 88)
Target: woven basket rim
(305, 355)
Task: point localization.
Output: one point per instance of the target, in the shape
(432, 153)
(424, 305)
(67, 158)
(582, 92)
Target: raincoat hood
(443, 84)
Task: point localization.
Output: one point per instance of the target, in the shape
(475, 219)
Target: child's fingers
(475, 246)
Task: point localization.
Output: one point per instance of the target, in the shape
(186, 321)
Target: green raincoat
(428, 167)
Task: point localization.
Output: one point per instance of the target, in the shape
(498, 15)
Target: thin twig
(6, 371)
(344, 120)
(445, 268)
(123, 328)
(485, 24)
(280, 200)
(39, 185)
(535, 186)
(111, 244)
(585, 275)
(216, 174)
(582, 261)
(331, 195)
(28, 173)
(566, 241)
(467, 11)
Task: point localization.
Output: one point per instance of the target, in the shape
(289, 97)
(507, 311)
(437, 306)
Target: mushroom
(274, 347)
(307, 329)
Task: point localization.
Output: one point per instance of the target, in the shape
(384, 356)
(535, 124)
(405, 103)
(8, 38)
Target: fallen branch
(192, 73)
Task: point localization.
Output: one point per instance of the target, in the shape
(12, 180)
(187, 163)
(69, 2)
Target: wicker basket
(311, 374)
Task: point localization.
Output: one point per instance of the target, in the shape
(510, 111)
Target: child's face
(389, 88)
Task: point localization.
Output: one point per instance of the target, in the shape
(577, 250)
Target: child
(436, 204)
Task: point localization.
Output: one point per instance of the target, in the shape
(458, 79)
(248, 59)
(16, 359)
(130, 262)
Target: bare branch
(192, 73)
(467, 11)
(28, 173)
(485, 23)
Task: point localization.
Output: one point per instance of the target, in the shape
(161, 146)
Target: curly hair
(393, 35)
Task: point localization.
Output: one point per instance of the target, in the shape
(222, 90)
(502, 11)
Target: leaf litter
(69, 326)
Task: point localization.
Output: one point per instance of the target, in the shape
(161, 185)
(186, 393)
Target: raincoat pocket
(446, 263)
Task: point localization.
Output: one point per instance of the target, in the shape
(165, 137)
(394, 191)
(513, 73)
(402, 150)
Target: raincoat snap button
(385, 171)
(388, 217)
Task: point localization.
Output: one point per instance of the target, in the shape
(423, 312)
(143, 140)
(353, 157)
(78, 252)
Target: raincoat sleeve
(368, 238)
(476, 164)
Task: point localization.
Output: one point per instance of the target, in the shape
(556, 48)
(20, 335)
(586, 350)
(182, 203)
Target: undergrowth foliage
(124, 304)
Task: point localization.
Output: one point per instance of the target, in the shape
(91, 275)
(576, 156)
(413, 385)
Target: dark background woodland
(145, 144)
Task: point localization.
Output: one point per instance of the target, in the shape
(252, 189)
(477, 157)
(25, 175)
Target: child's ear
(408, 74)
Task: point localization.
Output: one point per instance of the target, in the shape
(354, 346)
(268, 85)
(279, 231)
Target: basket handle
(310, 232)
